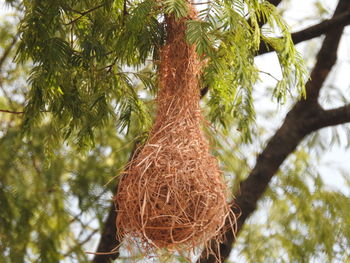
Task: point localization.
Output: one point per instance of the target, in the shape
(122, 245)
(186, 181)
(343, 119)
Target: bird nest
(172, 194)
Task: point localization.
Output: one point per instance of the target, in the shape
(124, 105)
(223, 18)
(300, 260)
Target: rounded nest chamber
(172, 194)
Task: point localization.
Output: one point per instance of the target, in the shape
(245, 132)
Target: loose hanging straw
(172, 194)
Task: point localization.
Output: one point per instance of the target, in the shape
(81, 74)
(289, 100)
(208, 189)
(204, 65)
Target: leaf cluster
(229, 35)
(82, 53)
(300, 217)
(50, 211)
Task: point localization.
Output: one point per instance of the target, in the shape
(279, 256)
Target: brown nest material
(172, 194)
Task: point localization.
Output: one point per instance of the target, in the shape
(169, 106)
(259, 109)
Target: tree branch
(82, 14)
(275, 2)
(5, 55)
(108, 239)
(80, 244)
(331, 117)
(305, 117)
(17, 112)
(8, 49)
(317, 30)
(327, 55)
(12, 112)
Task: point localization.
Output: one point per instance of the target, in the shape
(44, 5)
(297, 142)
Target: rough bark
(108, 239)
(317, 30)
(332, 117)
(305, 117)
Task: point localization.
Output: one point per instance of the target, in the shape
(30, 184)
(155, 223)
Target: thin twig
(8, 50)
(84, 14)
(5, 55)
(12, 112)
(17, 112)
(269, 74)
(204, 3)
(87, 239)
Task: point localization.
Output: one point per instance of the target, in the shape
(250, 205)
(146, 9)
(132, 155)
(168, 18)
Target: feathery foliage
(306, 220)
(230, 41)
(80, 50)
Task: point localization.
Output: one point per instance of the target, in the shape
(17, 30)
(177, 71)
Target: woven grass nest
(172, 194)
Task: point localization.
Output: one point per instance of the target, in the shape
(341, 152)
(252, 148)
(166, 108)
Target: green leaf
(177, 7)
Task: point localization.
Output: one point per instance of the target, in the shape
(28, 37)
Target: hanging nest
(172, 194)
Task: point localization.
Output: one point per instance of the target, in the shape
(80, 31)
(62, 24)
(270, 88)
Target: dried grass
(172, 194)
